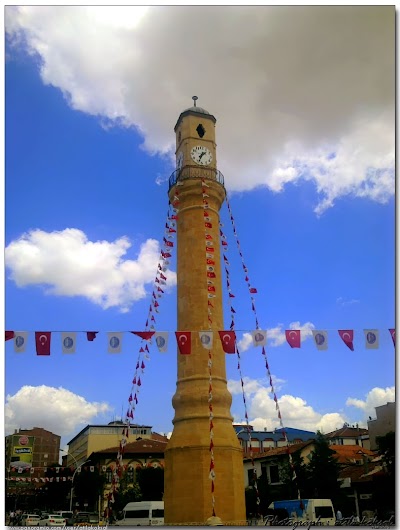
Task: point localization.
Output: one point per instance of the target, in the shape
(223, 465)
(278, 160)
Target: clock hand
(202, 154)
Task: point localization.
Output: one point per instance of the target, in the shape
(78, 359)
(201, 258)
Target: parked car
(68, 516)
(87, 519)
(29, 519)
(52, 519)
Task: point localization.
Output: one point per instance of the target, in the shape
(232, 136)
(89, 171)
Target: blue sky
(309, 170)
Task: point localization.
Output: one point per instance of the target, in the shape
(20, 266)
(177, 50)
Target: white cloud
(306, 92)
(245, 342)
(55, 409)
(295, 411)
(375, 398)
(346, 301)
(67, 263)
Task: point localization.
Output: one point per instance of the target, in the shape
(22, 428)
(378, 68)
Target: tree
(296, 478)
(385, 483)
(151, 482)
(88, 486)
(56, 490)
(323, 471)
(130, 493)
(387, 449)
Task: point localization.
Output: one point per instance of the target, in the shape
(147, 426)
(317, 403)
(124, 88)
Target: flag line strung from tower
(184, 339)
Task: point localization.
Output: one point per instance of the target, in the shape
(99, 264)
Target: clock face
(179, 160)
(201, 155)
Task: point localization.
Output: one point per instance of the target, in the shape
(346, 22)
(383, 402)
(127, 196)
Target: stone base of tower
(187, 487)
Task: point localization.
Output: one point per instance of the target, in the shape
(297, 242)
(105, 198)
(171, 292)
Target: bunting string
(224, 245)
(206, 339)
(259, 337)
(144, 351)
(294, 337)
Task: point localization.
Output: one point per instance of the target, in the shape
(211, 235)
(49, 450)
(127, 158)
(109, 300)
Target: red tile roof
(276, 451)
(159, 437)
(347, 453)
(138, 446)
(357, 473)
(347, 432)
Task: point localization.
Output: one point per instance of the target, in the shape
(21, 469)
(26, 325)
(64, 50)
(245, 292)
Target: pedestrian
(339, 515)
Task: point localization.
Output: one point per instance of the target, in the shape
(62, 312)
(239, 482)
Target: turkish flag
(253, 290)
(228, 341)
(43, 339)
(208, 236)
(91, 335)
(210, 274)
(293, 337)
(184, 340)
(393, 335)
(168, 243)
(210, 261)
(208, 225)
(210, 249)
(146, 335)
(347, 336)
(9, 335)
(211, 289)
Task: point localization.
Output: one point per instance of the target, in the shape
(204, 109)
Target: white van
(144, 513)
(303, 510)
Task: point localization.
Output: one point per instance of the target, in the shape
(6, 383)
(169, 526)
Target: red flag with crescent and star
(228, 341)
(184, 340)
(393, 335)
(347, 336)
(43, 339)
(91, 335)
(9, 335)
(293, 337)
(145, 335)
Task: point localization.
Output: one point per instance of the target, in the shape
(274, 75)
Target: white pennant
(68, 341)
(20, 339)
(206, 339)
(114, 342)
(371, 339)
(161, 339)
(259, 337)
(320, 339)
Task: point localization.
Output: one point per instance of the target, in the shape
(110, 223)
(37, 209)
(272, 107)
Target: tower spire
(195, 98)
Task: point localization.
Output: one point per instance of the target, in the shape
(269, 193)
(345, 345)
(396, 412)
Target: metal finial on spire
(195, 98)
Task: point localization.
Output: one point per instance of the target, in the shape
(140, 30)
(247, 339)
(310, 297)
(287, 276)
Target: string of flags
(43, 339)
(260, 339)
(62, 470)
(161, 339)
(206, 338)
(257, 338)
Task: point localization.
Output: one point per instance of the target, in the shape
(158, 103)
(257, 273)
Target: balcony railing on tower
(193, 172)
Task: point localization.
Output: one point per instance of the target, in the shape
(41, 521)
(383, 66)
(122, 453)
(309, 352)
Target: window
(157, 513)
(323, 511)
(274, 474)
(130, 474)
(137, 514)
(250, 476)
(200, 130)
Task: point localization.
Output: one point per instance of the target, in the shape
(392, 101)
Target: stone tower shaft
(187, 495)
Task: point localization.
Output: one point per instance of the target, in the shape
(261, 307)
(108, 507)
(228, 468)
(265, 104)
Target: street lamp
(73, 476)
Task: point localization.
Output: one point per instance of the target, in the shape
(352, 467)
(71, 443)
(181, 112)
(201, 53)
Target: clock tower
(191, 496)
